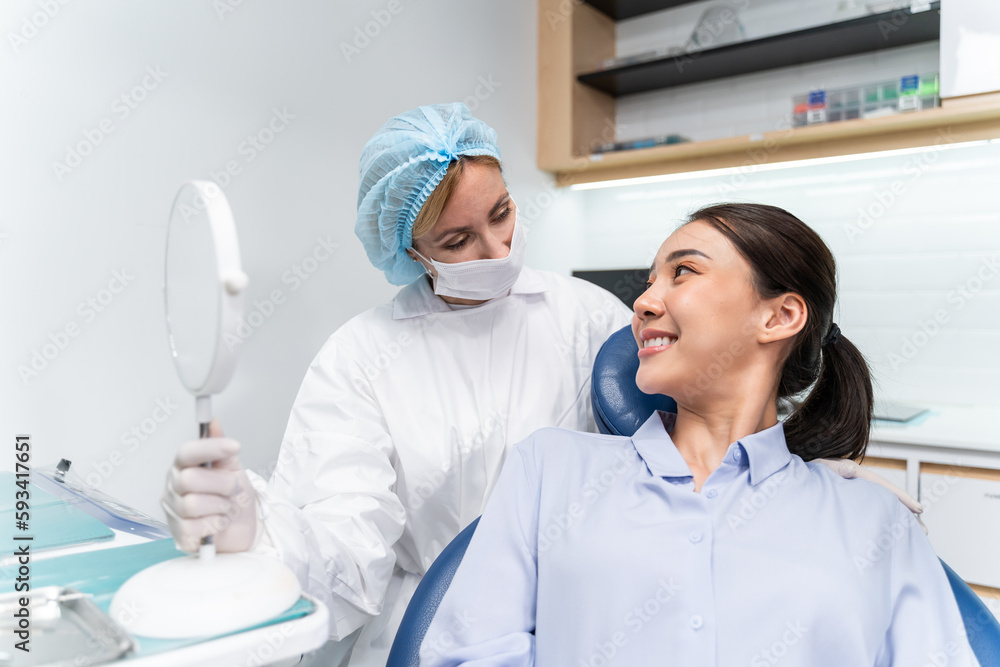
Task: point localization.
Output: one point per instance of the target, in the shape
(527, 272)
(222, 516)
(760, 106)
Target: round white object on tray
(191, 597)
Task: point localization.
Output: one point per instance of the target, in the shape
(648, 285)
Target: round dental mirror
(203, 290)
(205, 595)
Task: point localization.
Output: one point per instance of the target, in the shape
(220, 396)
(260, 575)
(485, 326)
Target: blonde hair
(431, 210)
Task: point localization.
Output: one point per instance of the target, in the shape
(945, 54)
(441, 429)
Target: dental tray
(65, 484)
(65, 629)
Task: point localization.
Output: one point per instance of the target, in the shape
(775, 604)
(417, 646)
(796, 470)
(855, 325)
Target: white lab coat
(400, 429)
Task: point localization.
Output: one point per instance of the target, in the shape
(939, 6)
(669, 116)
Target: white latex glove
(210, 501)
(849, 469)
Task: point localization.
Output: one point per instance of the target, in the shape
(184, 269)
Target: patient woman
(711, 537)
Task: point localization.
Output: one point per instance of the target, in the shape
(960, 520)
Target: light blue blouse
(594, 550)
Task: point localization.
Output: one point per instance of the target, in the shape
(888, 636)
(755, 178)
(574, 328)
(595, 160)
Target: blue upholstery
(619, 407)
(424, 603)
(980, 623)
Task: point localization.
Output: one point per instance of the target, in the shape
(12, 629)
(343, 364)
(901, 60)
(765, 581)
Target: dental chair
(620, 408)
(424, 603)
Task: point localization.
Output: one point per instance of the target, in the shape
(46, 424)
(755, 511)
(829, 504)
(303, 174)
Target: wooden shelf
(970, 118)
(574, 118)
(620, 10)
(835, 40)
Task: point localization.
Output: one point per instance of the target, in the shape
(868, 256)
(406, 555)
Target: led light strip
(705, 173)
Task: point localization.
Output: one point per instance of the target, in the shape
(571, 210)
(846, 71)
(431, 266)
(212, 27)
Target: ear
(783, 317)
(428, 269)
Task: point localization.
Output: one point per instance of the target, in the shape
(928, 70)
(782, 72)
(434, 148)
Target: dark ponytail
(785, 255)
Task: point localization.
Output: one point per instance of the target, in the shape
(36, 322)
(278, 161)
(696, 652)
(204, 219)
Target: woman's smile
(655, 341)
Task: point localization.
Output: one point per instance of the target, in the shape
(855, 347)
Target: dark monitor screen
(626, 284)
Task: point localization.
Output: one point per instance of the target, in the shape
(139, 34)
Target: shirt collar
(765, 452)
(418, 298)
(654, 446)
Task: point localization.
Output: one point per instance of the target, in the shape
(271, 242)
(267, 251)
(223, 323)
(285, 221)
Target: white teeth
(664, 340)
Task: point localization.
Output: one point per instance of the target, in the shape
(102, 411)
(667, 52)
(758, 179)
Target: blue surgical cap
(400, 167)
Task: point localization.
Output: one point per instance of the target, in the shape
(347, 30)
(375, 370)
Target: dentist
(406, 414)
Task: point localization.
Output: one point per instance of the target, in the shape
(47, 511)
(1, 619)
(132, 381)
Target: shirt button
(736, 455)
(712, 493)
(696, 622)
(695, 537)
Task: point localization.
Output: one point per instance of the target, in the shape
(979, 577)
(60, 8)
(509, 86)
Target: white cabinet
(962, 515)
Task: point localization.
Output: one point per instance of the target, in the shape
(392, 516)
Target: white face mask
(481, 279)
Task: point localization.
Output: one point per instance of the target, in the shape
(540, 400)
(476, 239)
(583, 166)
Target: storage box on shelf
(909, 93)
(574, 117)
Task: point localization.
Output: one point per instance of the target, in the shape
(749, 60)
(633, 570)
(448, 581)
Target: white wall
(917, 243)
(222, 73)
(970, 41)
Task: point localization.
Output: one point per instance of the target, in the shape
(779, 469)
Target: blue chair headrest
(620, 408)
